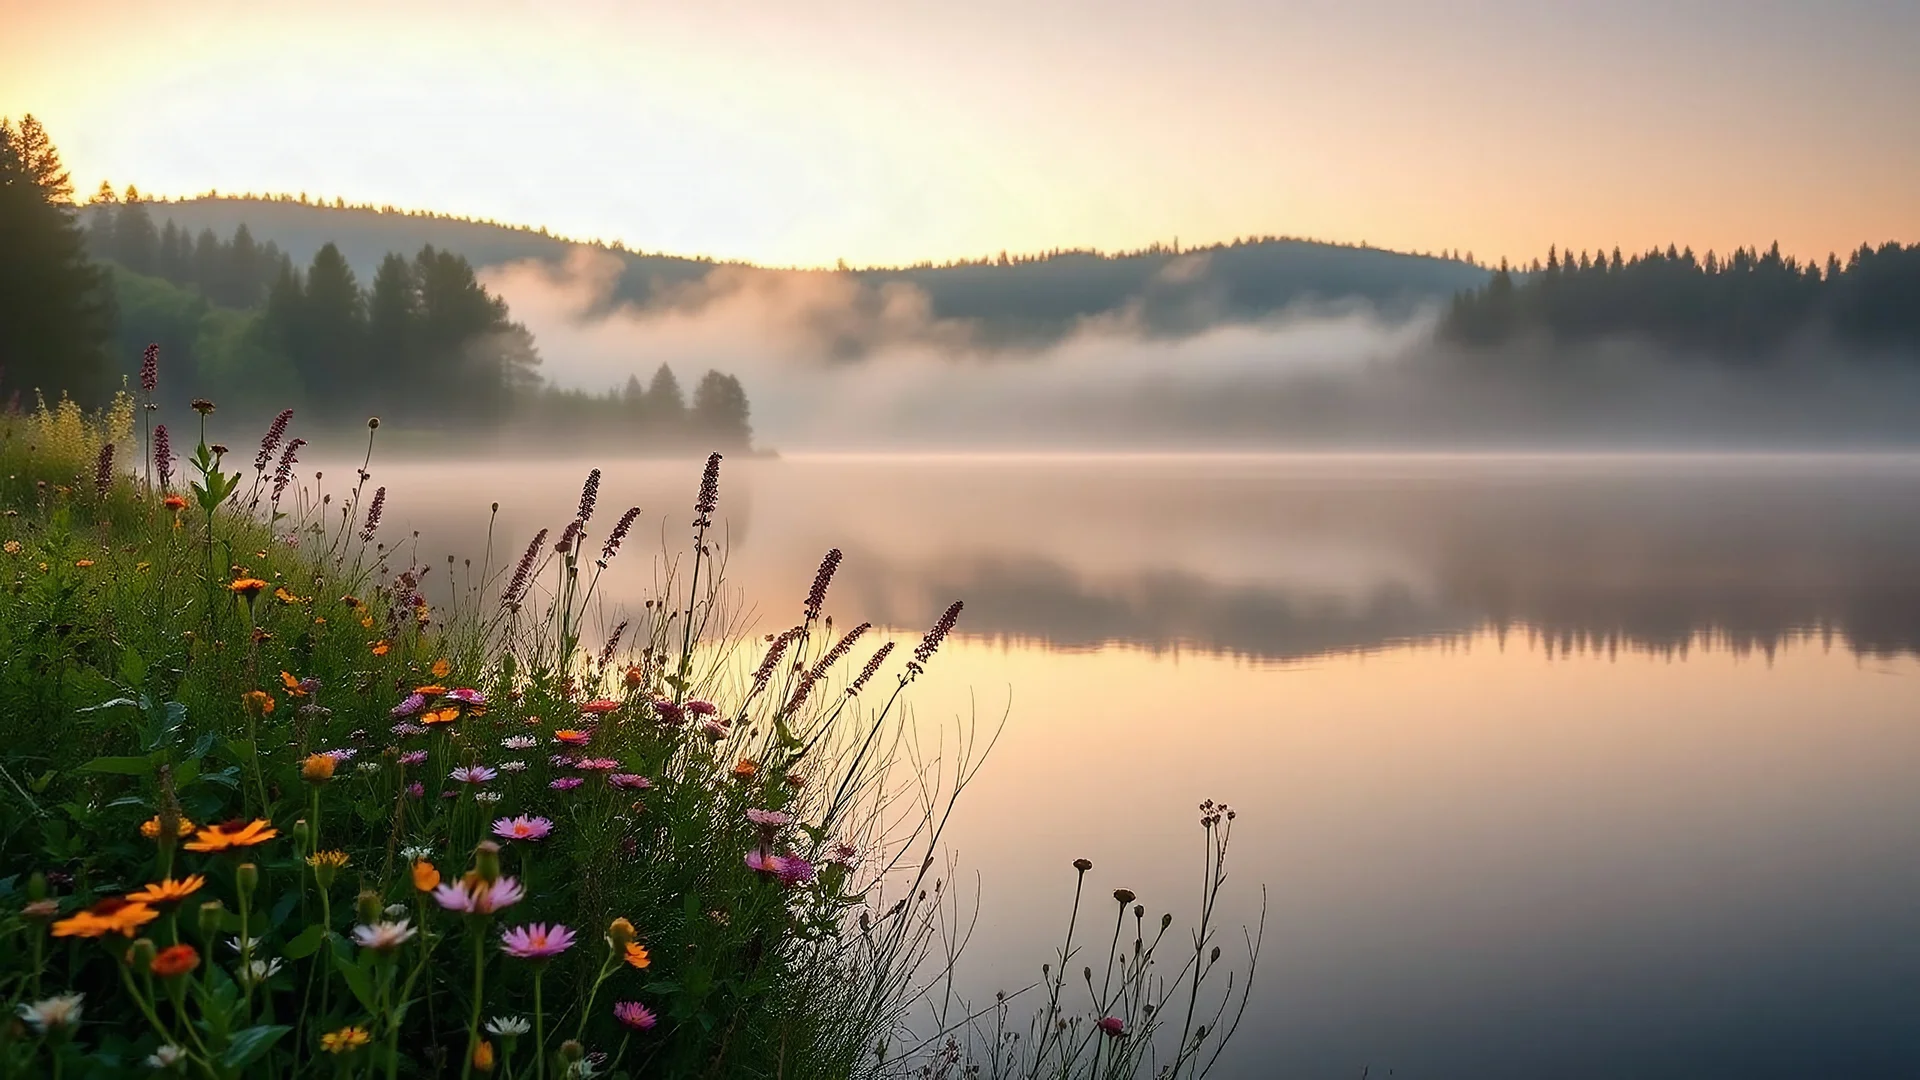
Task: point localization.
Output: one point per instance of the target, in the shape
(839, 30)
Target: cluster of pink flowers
(341, 756)
(668, 713)
(475, 897)
(790, 869)
(413, 757)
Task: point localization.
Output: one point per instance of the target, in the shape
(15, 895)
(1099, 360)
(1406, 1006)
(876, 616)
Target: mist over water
(1574, 765)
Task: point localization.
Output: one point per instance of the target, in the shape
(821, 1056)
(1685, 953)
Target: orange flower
(150, 828)
(637, 955)
(281, 594)
(440, 716)
(247, 587)
(483, 1057)
(317, 768)
(114, 915)
(229, 835)
(572, 736)
(167, 890)
(381, 647)
(83, 563)
(258, 702)
(635, 676)
(746, 769)
(442, 667)
(292, 684)
(425, 877)
(431, 690)
(174, 960)
(174, 502)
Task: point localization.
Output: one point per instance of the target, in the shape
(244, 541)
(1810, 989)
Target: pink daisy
(599, 707)
(522, 828)
(478, 897)
(413, 757)
(635, 1015)
(537, 941)
(467, 696)
(768, 819)
(566, 783)
(473, 774)
(629, 781)
(597, 764)
(572, 737)
(340, 757)
(416, 790)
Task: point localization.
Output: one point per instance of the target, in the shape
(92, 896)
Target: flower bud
(571, 1051)
(317, 769)
(425, 877)
(210, 913)
(142, 953)
(620, 932)
(1125, 896)
(1083, 865)
(301, 835)
(483, 1057)
(37, 886)
(1215, 958)
(247, 877)
(1166, 920)
(369, 906)
(486, 861)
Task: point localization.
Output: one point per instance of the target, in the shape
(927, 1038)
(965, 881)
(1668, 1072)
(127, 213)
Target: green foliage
(54, 308)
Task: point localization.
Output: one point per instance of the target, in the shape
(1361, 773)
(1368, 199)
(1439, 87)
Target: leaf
(120, 766)
(306, 943)
(249, 1044)
(355, 974)
(116, 703)
(201, 745)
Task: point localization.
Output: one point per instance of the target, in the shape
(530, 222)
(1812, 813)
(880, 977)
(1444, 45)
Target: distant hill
(1028, 300)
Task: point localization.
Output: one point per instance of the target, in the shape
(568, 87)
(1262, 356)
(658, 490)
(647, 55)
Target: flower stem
(479, 985)
(539, 1025)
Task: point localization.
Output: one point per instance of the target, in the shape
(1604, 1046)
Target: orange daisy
(637, 955)
(174, 502)
(229, 835)
(174, 960)
(247, 587)
(572, 736)
(746, 769)
(167, 890)
(114, 915)
(440, 716)
(150, 828)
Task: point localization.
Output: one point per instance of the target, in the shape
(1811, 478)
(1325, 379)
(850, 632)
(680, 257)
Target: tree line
(1748, 305)
(424, 340)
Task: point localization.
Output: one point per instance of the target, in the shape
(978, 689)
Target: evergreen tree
(666, 405)
(329, 349)
(55, 318)
(136, 243)
(720, 411)
(393, 311)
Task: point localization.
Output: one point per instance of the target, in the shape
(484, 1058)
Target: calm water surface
(1550, 766)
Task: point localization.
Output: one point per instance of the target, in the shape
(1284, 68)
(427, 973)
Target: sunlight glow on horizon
(896, 133)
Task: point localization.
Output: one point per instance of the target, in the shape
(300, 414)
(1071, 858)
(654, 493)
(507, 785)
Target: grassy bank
(279, 801)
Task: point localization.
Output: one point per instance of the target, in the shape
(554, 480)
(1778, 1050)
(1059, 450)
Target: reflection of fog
(1283, 557)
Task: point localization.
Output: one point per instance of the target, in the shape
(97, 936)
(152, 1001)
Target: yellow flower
(332, 860)
(142, 567)
(115, 915)
(425, 877)
(637, 955)
(441, 668)
(150, 828)
(317, 768)
(168, 891)
(232, 834)
(345, 1040)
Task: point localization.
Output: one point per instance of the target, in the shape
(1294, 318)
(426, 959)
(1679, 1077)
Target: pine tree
(666, 405)
(55, 316)
(136, 243)
(329, 352)
(720, 413)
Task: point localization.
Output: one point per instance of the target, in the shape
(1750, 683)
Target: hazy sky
(893, 130)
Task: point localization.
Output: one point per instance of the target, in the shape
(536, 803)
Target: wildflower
(381, 647)
(1125, 896)
(715, 730)
(12, 547)
(166, 1056)
(271, 441)
(430, 690)
(1113, 1026)
(466, 696)
(383, 937)
(817, 595)
(374, 508)
(769, 819)
(163, 457)
(281, 594)
(259, 971)
(589, 494)
(519, 742)
(247, 587)
(1083, 865)
(326, 864)
(636, 956)
(629, 781)
(317, 768)
(292, 684)
(114, 915)
(634, 676)
(167, 891)
(425, 877)
(232, 834)
(52, 1015)
(442, 667)
(873, 668)
(174, 502)
(522, 573)
(404, 729)
(482, 1051)
(201, 405)
(668, 713)
(566, 783)
(82, 564)
(746, 769)
(416, 790)
(793, 870)
(596, 764)
(508, 1027)
(150, 828)
(709, 490)
(845, 856)
(561, 761)
(572, 736)
(257, 702)
(409, 706)
(440, 716)
(367, 768)
(150, 367)
(472, 774)
(174, 960)
(635, 1015)
(346, 1039)
(476, 897)
(488, 797)
(537, 941)
(599, 707)
(415, 852)
(924, 651)
(516, 765)
(523, 828)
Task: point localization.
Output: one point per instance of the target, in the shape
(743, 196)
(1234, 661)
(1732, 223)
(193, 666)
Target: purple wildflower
(566, 783)
(271, 441)
(378, 504)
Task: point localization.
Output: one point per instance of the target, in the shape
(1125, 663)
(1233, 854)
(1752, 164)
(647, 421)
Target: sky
(894, 131)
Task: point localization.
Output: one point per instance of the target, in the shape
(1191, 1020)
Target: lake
(1581, 766)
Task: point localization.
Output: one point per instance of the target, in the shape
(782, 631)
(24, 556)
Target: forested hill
(1010, 299)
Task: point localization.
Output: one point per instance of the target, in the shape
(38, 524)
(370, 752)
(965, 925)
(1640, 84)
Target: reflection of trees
(1595, 564)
